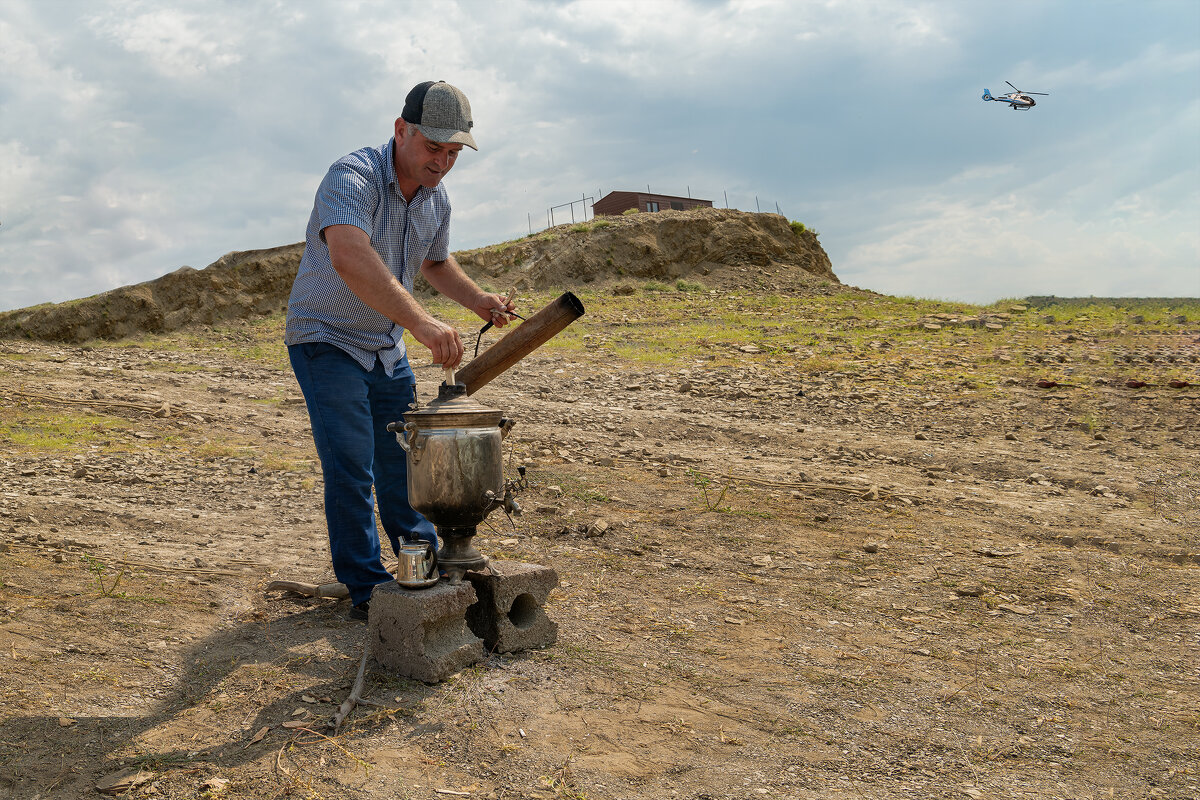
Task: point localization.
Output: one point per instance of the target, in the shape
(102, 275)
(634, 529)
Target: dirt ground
(910, 574)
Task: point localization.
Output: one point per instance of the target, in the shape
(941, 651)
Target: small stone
(120, 782)
(1015, 609)
(214, 786)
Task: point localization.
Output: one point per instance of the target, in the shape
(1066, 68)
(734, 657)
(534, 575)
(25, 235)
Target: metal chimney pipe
(523, 340)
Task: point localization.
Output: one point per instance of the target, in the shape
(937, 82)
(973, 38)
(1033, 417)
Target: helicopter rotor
(1044, 94)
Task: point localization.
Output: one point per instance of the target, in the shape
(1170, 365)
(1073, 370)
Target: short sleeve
(439, 248)
(347, 196)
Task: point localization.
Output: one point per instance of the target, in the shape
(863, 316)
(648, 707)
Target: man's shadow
(41, 758)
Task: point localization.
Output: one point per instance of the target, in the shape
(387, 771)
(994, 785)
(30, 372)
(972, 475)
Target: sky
(140, 136)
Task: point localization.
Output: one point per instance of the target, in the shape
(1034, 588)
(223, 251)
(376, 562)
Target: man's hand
(442, 340)
(494, 308)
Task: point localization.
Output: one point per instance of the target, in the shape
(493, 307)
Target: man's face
(419, 160)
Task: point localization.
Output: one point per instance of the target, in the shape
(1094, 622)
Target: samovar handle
(406, 436)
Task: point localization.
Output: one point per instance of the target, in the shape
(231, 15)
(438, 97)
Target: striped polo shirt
(360, 189)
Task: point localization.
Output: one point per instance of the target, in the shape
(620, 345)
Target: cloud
(172, 42)
(137, 136)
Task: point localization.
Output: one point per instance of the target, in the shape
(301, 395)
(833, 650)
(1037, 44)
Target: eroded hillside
(716, 246)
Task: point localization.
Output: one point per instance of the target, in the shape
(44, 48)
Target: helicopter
(1020, 101)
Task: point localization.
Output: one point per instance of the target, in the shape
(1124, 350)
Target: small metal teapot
(418, 567)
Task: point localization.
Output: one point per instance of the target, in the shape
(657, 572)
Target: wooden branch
(355, 693)
(310, 589)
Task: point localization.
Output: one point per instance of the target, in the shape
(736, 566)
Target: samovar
(453, 445)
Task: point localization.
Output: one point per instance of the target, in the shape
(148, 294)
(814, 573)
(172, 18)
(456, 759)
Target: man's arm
(365, 273)
(449, 279)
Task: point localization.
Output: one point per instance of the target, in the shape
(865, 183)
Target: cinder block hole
(523, 612)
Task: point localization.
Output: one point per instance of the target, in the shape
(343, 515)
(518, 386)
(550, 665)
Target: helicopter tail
(987, 95)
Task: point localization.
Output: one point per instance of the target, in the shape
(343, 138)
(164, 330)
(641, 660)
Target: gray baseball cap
(441, 112)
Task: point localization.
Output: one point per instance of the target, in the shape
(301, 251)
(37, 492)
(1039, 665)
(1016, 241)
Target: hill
(716, 246)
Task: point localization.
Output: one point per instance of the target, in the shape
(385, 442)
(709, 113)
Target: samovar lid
(454, 408)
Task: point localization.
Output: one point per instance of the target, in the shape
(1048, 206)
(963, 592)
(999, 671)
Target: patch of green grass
(689, 286)
(43, 430)
(591, 495)
(644, 353)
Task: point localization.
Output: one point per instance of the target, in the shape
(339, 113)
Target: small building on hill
(615, 203)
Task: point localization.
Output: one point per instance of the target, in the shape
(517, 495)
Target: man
(380, 215)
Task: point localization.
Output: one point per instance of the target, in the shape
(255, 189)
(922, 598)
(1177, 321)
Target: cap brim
(446, 135)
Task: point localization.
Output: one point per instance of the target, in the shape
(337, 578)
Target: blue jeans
(350, 409)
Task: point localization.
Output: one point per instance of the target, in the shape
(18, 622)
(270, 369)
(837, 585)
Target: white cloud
(175, 43)
(136, 136)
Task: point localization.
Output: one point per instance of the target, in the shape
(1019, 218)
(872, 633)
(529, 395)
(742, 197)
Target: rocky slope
(714, 246)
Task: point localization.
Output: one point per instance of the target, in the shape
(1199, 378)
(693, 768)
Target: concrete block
(511, 614)
(422, 633)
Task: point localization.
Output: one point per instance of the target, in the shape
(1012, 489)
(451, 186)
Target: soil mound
(720, 248)
(235, 286)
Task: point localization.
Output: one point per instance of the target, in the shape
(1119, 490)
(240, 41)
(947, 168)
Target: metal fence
(581, 210)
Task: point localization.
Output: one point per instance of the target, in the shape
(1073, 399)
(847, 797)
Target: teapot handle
(433, 562)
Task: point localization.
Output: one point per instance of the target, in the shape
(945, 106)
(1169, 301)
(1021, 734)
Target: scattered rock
(992, 552)
(120, 782)
(1015, 609)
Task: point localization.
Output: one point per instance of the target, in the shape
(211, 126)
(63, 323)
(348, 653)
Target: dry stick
(355, 697)
(333, 742)
(165, 568)
(334, 589)
(85, 402)
(140, 564)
